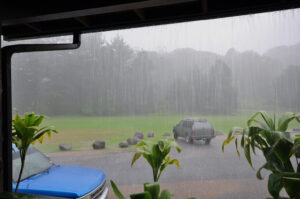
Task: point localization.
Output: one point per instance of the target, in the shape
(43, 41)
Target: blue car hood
(63, 181)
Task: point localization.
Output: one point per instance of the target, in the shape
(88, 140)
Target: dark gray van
(194, 129)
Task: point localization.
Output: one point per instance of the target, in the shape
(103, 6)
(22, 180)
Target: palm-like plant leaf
(278, 146)
(157, 155)
(26, 131)
(116, 190)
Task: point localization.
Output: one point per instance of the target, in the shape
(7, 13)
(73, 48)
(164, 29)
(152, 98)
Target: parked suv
(194, 129)
(42, 177)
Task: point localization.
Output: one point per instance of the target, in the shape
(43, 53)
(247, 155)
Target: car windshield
(198, 125)
(35, 163)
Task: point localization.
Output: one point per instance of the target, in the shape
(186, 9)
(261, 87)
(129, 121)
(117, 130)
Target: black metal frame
(7, 53)
(120, 14)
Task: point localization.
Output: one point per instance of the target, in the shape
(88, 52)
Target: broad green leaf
(38, 120)
(161, 145)
(282, 148)
(243, 140)
(236, 147)
(136, 156)
(153, 189)
(275, 185)
(173, 143)
(267, 119)
(291, 183)
(176, 162)
(41, 139)
(258, 173)
(156, 154)
(284, 121)
(247, 153)
(260, 124)
(230, 133)
(164, 165)
(144, 195)
(252, 144)
(116, 190)
(296, 148)
(165, 194)
(227, 141)
(254, 130)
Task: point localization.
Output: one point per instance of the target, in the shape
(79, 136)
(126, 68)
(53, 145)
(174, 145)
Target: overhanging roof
(47, 19)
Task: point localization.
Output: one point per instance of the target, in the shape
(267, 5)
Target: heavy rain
(150, 79)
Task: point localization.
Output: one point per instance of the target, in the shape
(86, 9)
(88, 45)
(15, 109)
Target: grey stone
(133, 141)
(64, 147)
(150, 134)
(139, 135)
(99, 144)
(123, 144)
(167, 134)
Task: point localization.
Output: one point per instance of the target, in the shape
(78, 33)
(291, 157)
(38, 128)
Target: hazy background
(220, 66)
(258, 32)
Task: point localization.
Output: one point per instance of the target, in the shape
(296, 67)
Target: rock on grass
(123, 144)
(64, 147)
(139, 135)
(99, 144)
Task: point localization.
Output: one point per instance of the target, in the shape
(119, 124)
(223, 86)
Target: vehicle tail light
(193, 132)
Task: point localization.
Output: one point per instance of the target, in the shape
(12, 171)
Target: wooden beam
(204, 6)
(140, 13)
(33, 27)
(83, 21)
(95, 11)
(2, 178)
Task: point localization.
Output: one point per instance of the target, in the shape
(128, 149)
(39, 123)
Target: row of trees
(110, 78)
(288, 89)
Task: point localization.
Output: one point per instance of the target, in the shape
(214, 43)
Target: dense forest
(107, 78)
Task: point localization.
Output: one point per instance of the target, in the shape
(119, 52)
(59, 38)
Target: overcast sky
(258, 32)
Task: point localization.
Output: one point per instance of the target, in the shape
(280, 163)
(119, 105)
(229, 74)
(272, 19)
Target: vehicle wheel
(175, 136)
(188, 139)
(207, 141)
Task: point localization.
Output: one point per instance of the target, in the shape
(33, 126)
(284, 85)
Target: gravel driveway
(206, 172)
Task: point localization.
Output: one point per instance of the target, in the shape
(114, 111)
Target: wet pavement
(206, 171)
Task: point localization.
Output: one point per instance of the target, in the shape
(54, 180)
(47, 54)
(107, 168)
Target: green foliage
(151, 191)
(157, 154)
(26, 131)
(271, 137)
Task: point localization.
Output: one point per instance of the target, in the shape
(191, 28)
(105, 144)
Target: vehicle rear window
(205, 125)
(188, 124)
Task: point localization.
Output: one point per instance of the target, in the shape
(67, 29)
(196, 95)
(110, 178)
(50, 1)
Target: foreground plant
(151, 191)
(279, 147)
(157, 154)
(26, 131)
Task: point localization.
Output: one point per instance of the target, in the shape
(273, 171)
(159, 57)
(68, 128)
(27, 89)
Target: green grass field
(80, 132)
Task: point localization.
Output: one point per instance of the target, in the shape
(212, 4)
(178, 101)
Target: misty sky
(258, 32)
